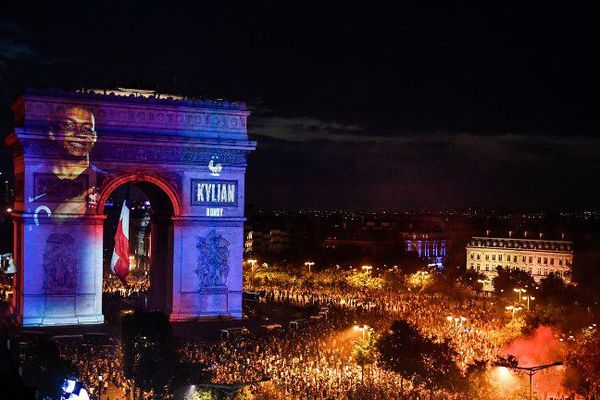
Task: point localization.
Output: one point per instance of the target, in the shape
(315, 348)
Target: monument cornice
(122, 115)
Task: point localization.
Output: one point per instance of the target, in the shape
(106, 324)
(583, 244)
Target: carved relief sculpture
(60, 264)
(212, 262)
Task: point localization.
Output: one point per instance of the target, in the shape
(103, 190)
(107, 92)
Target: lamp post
(513, 309)
(520, 291)
(367, 268)
(310, 264)
(528, 298)
(533, 370)
(362, 328)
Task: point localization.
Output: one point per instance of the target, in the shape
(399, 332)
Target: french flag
(119, 264)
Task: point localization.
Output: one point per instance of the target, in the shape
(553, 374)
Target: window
(478, 267)
(530, 259)
(494, 257)
(560, 261)
(552, 261)
(523, 259)
(530, 271)
(545, 260)
(539, 272)
(514, 258)
(472, 266)
(472, 256)
(478, 256)
(487, 257)
(545, 271)
(539, 260)
(500, 257)
(487, 268)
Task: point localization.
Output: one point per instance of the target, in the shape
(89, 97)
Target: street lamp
(362, 328)
(533, 370)
(520, 291)
(513, 309)
(528, 298)
(367, 268)
(310, 264)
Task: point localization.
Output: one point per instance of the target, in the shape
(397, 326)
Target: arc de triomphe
(72, 150)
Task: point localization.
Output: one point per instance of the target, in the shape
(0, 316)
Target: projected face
(70, 186)
(77, 132)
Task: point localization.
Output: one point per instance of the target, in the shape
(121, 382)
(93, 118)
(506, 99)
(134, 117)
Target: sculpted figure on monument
(60, 264)
(212, 262)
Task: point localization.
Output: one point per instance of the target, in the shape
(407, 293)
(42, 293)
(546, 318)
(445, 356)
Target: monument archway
(73, 149)
(150, 239)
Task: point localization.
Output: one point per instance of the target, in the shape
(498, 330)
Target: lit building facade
(429, 246)
(538, 257)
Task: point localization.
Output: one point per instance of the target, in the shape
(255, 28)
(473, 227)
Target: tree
(400, 351)
(583, 366)
(365, 353)
(441, 371)
(470, 278)
(509, 279)
(422, 360)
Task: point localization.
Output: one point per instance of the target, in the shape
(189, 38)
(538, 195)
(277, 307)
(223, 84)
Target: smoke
(542, 347)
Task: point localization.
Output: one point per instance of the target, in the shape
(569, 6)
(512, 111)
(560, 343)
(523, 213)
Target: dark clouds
(294, 166)
(361, 106)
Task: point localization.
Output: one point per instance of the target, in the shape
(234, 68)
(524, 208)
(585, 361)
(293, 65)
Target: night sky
(359, 107)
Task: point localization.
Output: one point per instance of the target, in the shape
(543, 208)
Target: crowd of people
(313, 358)
(471, 325)
(137, 285)
(100, 369)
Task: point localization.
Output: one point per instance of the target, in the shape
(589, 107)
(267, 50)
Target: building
(429, 246)
(273, 241)
(538, 257)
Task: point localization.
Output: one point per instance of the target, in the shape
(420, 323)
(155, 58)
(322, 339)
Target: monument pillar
(61, 270)
(207, 267)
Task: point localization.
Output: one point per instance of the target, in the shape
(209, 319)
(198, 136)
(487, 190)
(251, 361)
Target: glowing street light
(533, 370)
(362, 328)
(367, 268)
(310, 264)
(513, 309)
(519, 291)
(528, 298)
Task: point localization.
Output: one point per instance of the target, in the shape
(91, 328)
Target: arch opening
(149, 283)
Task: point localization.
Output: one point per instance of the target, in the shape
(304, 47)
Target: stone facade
(72, 150)
(538, 257)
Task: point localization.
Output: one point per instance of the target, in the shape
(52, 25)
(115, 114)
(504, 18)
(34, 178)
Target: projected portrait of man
(75, 180)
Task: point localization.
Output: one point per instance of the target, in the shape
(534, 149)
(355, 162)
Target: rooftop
(142, 96)
(521, 243)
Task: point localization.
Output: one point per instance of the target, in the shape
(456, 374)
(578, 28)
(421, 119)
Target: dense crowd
(137, 284)
(100, 369)
(313, 359)
(471, 325)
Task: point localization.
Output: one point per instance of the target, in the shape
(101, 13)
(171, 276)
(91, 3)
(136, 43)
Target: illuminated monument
(72, 150)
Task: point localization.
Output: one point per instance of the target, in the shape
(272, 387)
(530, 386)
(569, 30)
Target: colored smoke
(542, 347)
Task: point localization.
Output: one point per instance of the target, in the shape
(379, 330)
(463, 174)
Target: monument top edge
(135, 96)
